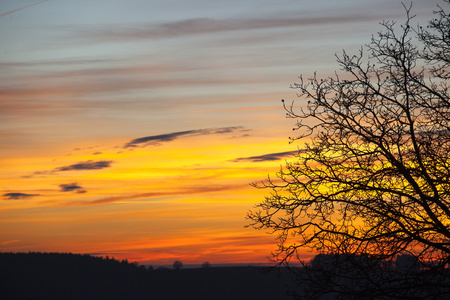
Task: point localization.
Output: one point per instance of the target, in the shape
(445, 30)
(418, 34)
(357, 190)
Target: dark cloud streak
(87, 165)
(72, 187)
(81, 166)
(168, 137)
(18, 196)
(267, 157)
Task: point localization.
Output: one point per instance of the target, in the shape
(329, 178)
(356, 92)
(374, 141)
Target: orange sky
(153, 203)
(132, 129)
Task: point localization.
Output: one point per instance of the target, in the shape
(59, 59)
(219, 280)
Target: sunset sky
(133, 128)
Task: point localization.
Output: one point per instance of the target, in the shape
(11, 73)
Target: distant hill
(37, 276)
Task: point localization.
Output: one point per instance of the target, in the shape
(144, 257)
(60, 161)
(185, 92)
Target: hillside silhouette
(73, 276)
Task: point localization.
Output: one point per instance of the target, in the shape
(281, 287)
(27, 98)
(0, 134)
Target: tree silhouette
(373, 175)
(177, 265)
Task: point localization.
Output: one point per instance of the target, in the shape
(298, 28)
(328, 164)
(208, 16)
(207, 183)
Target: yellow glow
(186, 200)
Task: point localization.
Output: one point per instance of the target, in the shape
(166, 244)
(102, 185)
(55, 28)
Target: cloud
(198, 26)
(106, 83)
(168, 137)
(81, 166)
(9, 242)
(13, 11)
(87, 165)
(18, 196)
(267, 157)
(181, 192)
(72, 187)
(67, 62)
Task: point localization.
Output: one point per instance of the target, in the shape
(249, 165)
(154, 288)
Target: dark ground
(71, 276)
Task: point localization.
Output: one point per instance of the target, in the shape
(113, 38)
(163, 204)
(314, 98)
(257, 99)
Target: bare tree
(373, 174)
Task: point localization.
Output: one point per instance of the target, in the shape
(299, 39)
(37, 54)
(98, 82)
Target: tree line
(69, 276)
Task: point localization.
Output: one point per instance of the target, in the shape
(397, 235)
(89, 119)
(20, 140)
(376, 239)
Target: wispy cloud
(72, 187)
(9, 242)
(180, 192)
(106, 83)
(168, 137)
(81, 166)
(16, 10)
(267, 157)
(18, 196)
(66, 62)
(87, 165)
(197, 26)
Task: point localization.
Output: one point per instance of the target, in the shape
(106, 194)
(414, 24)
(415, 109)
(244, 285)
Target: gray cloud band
(267, 157)
(18, 196)
(157, 139)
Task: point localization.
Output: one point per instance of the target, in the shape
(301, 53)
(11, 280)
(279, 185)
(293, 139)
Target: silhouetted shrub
(177, 265)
